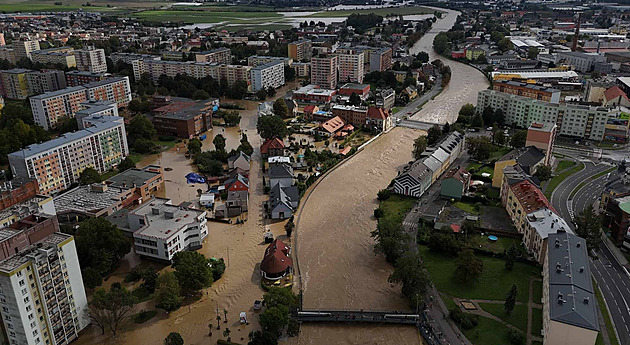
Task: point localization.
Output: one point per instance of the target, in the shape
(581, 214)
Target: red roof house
(272, 147)
(276, 263)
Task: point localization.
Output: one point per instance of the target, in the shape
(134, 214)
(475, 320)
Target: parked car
(257, 304)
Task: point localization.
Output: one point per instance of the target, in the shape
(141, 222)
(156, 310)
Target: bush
(383, 194)
(378, 213)
(166, 138)
(144, 316)
(218, 268)
(465, 320)
(516, 337)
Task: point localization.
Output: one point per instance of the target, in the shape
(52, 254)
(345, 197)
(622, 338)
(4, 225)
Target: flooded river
(338, 266)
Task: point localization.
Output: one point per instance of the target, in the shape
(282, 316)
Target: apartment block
(62, 56)
(14, 84)
(57, 163)
(569, 302)
(351, 67)
(77, 78)
(91, 59)
(220, 55)
(37, 204)
(45, 81)
(94, 112)
(16, 191)
(300, 50)
(257, 60)
(539, 225)
(541, 93)
(572, 119)
(185, 118)
(268, 75)
(324, 71)
(161, 229)
(49, 107)
(145, 183)
(43, 300)
(156, 68)
(302, 69)
(543, 136)
(381, 60)
(7, 53)
(129, 58)
(23, 49)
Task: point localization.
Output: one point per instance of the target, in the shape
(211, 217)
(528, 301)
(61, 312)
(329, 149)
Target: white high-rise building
(23, 49)
(267, 75)
(91, 60)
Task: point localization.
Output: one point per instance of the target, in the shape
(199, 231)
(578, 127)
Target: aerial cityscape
(269, 172)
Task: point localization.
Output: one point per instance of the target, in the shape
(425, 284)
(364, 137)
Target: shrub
(144, 316)
(378, 213)
(465, 320)
(516, 337)
(383, 194)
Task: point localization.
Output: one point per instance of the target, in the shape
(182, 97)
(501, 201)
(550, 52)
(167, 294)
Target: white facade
(573, 120)
(267, 75)
(160, 229)
(91, 60)
(156, 68)
(42, 298)
(23, 49)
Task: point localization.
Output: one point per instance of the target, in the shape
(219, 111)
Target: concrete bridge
(358, 316)
(416, 124)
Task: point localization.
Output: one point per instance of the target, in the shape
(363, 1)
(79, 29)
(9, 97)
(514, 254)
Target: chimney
(155, 210)
(577, 33)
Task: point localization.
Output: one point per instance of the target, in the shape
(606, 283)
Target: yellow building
(474, 53)
(14, 83)
(529, 158)
(522, 199)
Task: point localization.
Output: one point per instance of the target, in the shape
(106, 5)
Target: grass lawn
(493, 193)
(470, 208)
(488, 332)
(564, 164)
(504, 243)
(537, 291)
(395, 208)
(494, 283)
(609, 325)
(142, 294)
(555, 181)
(192, 16)
(537, 321)
(136, 157)
(450, 304)
(395, 110)
(518, 317)
(499, 151)
(144, 316)
(600, 339)
(385, 12)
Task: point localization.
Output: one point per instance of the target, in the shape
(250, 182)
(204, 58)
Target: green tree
(274, 318)
(89, 175)
(411, 273)
(433, 134)
(261, 94)
(140, 127)
(142, 145)
(192, 270)
(383, 194)
(262, 338)
(289, 73)
(280, 108)
(280, 296)
(246, 147)
(288, 227)
(519, 139)
(110, 310)
(468, 267)
(479, 148)
(477, 121)
(510, 257)
(441, 43)
(232, 118)
(419, 146)
(532, 53)
(200, 94)
(354, 99)
(194, 146)
(271, 126)
(219, 142)
(167, 292)
(100, 245)
(91, 278)
(588, 226)
(543, 172)
(498, 137)
(174, 338)
(126, 164)
(510, 299)
(505, 44)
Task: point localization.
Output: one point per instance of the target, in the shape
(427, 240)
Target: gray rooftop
(24, 208)
(547, 222)
(571, 295)
(59, 92)
(89, 199)
(161, 226)
(49, 242)
(134, 177)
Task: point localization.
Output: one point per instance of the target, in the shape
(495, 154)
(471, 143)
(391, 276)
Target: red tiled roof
(309, 108)
(530, 197)
(276, 259)
(377, 113)
(614, 92)
(274, 143)
(332, 125)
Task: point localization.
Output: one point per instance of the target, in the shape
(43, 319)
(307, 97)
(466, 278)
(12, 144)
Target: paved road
(412, 108)
(610, 276)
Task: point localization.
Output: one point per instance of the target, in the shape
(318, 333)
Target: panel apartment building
(257, 60)
(381, 60)
(61, 55)
(157, 68)
(324, 71)
(267, 75)
(21, 83)
(351, 67)
(572, 119)
(219, 55)
(300, 50)
(57, 163)
(49, 107)
(91, 59)
(42, 298)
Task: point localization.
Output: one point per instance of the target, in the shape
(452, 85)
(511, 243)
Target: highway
(611, 278)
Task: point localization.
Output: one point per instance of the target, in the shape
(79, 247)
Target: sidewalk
(616, 252)
(451, 334)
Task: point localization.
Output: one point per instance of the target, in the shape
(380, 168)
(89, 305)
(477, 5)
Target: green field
(518, 317)
(537, 291)
(385, 12)
(49, 7)
(466, 207)
(494, 283)
(564, 164)
(488, 332)
(537, 321)
(395, 208)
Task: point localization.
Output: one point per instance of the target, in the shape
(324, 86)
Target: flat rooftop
(547, 222)
(49, 242)
(88, 199)
(25, 208)
(165, 219)
(134, 177)
(184, 109)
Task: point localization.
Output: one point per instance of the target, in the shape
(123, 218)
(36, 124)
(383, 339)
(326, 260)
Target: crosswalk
(410, 224)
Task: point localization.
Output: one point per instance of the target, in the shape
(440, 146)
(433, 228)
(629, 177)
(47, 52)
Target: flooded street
(338, 266)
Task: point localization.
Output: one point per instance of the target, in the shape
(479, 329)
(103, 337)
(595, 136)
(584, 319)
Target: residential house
(240, 160)
(330, 128)
(283, 201)
(414, 180)
(280, 174)
(529, 158)
(272, 147)
(455, 183)
(276, 263)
